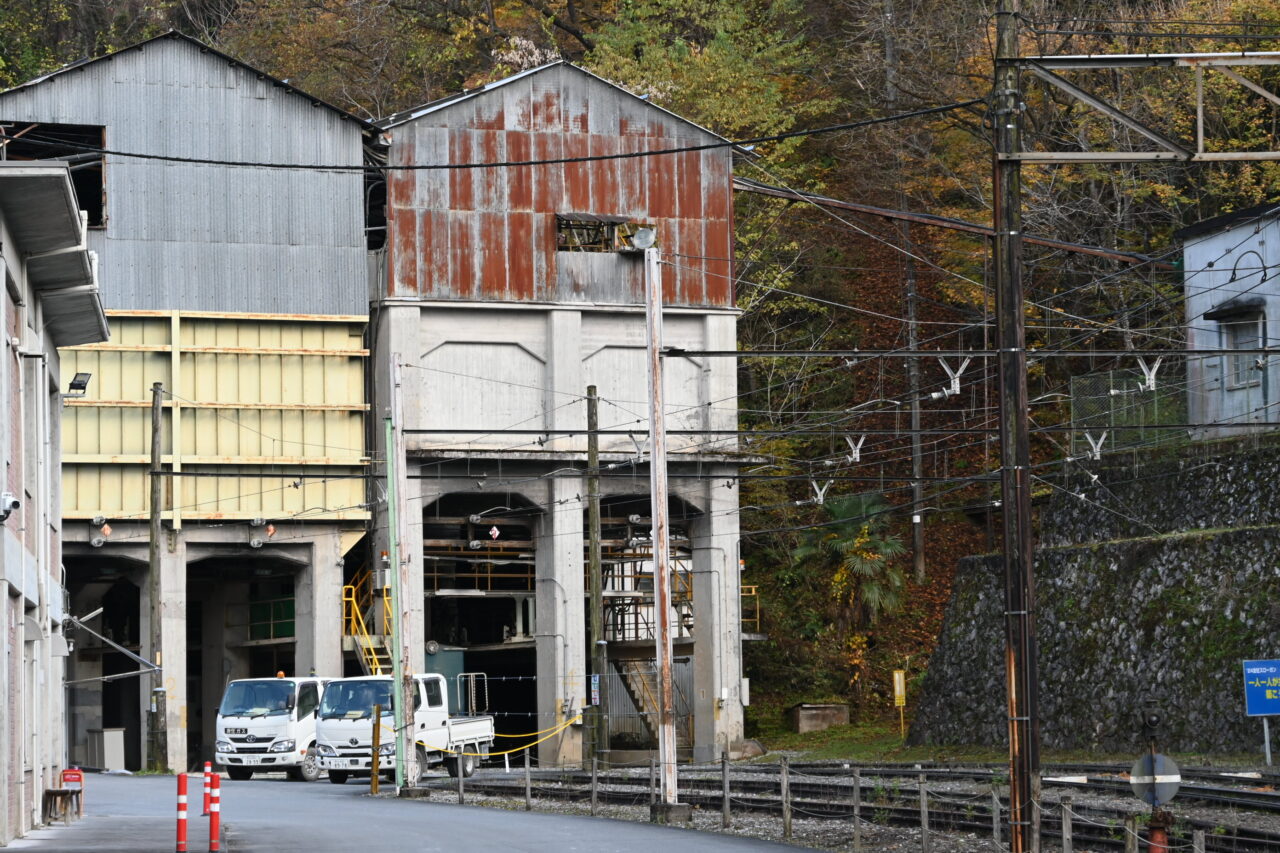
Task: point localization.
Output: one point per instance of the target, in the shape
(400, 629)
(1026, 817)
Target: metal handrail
(355, 627)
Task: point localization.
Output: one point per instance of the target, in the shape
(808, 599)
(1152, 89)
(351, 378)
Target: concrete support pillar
(561, 620)
(173, 646)
(318, 608)
(399, 330)
(717, 700)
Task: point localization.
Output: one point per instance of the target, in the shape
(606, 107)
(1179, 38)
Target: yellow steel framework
(246, 395)
(358, 610)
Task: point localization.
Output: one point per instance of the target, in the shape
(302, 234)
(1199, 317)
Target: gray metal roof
(82, 64)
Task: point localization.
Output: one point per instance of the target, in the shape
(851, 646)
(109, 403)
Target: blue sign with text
(1262, 688)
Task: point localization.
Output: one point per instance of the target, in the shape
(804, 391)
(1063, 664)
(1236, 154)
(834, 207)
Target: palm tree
(857, 548)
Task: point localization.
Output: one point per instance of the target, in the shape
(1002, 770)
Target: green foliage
(855, 547)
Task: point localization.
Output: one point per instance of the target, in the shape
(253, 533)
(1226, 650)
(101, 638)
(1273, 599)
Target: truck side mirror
(290, 702)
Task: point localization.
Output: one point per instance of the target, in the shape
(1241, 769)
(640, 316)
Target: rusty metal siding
(214, 238)
(250, 394)
(490, 234)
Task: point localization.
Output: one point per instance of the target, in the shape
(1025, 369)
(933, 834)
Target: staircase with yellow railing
(358, 611)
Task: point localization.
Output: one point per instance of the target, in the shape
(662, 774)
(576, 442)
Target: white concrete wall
(509, 372)
(31, 608)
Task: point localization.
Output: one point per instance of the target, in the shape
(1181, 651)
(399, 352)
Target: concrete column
(717, 701)
(561, 620)
(318, 608)
(399, 330)
(173, 645)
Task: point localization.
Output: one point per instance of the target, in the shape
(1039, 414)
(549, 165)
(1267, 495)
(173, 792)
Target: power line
(628, 155)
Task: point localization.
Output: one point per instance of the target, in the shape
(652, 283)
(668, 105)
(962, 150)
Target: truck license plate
(237, 731)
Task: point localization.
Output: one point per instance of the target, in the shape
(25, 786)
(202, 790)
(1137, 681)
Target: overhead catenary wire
(416, 167)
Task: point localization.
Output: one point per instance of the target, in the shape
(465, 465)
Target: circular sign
(1155, 779)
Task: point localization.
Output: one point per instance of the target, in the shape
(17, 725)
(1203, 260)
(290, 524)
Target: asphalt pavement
(270, 815)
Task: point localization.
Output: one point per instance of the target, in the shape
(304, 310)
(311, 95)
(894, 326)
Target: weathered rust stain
(520, 178)
(460, 195)
(577, 176)
(490, 233)
(494, 247)
(520, 254)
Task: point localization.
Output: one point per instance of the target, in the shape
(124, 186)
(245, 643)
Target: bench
(59, 802)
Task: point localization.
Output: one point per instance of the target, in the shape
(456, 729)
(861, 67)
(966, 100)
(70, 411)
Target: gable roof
(80, 64)
(1223, 221)
(414, 113)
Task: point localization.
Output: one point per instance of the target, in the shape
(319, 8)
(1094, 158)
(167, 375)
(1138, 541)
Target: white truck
(344, 732)
(267, 724)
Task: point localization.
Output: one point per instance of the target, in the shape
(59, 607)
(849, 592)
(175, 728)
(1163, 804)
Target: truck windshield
(267, 698)
(355, 699)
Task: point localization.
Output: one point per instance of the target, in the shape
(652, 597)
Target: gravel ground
(837, 835)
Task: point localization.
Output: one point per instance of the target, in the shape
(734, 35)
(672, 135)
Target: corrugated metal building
(1232, 303)
(200, 236)
(244, 292)
(505, 292)
(50, 299)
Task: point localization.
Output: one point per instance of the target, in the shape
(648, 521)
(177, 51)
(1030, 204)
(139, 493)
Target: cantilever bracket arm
(148, 666)
(1102, 106)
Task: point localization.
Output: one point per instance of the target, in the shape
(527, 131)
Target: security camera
(8, 503)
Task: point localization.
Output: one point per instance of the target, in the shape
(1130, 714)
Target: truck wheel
(422, 763)
(468, 765)
(308, 770)
(240, 774)
(338, 777)
(451, 764)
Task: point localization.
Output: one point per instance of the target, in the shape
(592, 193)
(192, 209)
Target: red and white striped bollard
(215, 814)
(182, 813)
(208, 771)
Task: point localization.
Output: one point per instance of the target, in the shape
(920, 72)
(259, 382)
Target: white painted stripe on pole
(182, 798)
(1154, 780)
(215, 807)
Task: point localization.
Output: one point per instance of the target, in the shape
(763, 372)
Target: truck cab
(344, 731)
(268, 724)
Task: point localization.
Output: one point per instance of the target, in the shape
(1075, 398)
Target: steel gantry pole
(1015, 451)
(660, 536)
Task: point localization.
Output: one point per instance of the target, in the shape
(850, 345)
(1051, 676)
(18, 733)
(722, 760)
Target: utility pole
(660, 538)
(599, 651)
(1015, 452)
(913, 333)
(158, 758)
(401, 676)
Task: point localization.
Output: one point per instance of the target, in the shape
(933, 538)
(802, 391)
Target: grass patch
(877, 740)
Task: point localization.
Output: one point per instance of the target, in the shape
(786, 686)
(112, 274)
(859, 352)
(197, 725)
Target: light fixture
(644, 238)
(255, 543)
(79, 385)
(98, 541)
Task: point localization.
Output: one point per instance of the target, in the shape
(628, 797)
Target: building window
(79, 145)
(586, 232)
(1244, 333)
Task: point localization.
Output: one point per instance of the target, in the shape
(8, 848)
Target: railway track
(825, 792)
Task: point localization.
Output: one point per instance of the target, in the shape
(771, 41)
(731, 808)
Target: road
(264, 815)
